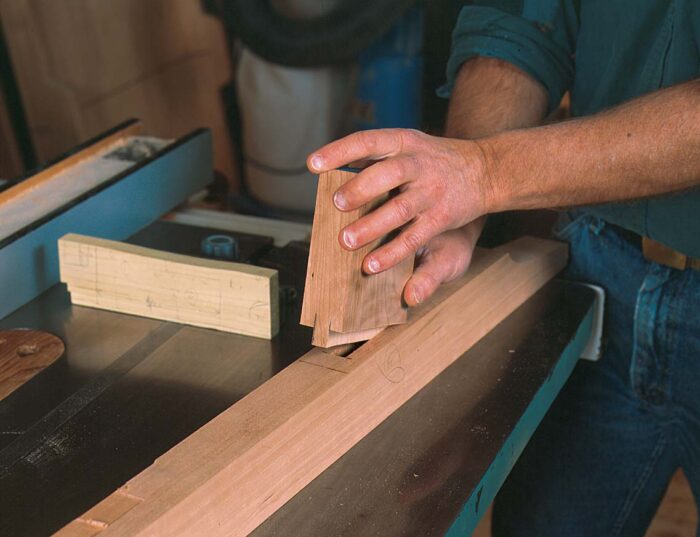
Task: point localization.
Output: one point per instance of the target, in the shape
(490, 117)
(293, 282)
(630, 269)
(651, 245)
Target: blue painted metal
(389, 92)
(220, 247)
(484, 493)
(350, 169)
(29, 263)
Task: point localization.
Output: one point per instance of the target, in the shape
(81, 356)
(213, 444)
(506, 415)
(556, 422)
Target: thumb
(444, 258)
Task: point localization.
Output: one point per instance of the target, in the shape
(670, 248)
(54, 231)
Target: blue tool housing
(113, 210)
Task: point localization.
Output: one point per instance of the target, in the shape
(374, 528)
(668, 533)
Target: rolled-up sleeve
(538, 36)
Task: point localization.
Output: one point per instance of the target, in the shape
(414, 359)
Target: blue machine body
(137, 198)
(389, 92)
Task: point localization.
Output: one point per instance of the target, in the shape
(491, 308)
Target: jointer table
(129, 388)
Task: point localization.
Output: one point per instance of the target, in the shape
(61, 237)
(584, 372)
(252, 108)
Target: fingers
(374, 181)
(405, 244)
(364, 145)
(393, 214)
(446, 257)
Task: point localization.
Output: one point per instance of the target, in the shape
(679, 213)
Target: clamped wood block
(341, 303)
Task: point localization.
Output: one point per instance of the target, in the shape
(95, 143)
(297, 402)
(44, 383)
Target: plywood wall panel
(83, 66)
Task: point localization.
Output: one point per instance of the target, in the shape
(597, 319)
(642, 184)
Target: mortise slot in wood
(345, 349)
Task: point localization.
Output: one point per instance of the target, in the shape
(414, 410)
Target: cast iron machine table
(129, 388)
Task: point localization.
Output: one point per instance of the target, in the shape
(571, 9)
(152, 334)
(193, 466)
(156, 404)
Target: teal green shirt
(605, 52)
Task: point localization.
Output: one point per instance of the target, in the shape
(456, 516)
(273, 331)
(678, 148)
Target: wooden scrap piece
(121, 277)
(237, 470)
(340, 302)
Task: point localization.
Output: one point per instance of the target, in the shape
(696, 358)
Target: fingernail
(340, 201)
(373, 265)
(349, 238)
(317, 162)
(417, 295)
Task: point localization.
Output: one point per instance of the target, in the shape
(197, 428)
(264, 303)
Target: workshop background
(272, 80)
(271, 83)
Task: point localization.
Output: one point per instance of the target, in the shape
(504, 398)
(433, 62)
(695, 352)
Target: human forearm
(440, 204)
(491, 96)
(646, 147)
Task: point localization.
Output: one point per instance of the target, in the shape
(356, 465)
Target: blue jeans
(600, 462)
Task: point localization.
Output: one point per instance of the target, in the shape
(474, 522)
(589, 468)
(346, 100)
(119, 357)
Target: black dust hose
(334, 37)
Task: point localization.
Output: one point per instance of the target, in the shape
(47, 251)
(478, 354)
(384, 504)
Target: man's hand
(442, 185)
(441, 182)
(645, 147)
(445, 258)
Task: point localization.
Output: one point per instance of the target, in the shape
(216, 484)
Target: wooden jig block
(341, 303)
(232, 297)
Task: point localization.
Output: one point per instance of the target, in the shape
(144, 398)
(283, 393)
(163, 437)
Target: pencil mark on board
(390, 365)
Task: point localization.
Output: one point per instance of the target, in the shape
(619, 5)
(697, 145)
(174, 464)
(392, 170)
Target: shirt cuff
(485, 31)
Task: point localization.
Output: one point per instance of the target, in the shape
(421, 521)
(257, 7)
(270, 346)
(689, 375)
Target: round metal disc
(24, 354)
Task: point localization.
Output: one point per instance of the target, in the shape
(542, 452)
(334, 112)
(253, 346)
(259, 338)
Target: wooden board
(112, 275)
(43, 178)
(84, 66)
(59, 184)
(24, 354)
(340, 302)
(233, 473)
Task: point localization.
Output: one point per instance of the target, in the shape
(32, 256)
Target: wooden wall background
(10, 158)
(83, 66)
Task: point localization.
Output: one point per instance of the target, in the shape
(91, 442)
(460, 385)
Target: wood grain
(100, 516)
(116, 276)
(84, 66)
(340, 302)
(233, 473)
(23, 355)
(41, 181)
